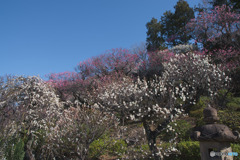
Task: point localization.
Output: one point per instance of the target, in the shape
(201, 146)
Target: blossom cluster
(209, 26)
(227, 59)
(192, 75)
(185, 76)
(184, 48)
(134, 100)
(76, 129)
(156, 101)
(114, 60)
(30, 97)
(31, 110)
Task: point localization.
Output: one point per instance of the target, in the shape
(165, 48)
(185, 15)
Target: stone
(214, 138)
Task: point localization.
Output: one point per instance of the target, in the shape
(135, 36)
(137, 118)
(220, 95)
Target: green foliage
(141, 152)
(188, 150)
(231, 115)
(236, 148)
(197, 110)
(202, 103)
(223, 93)
(15, 149)
(191, 150)
(230, 118)
(140, 125)
(144, 148)
(106, 145)
(181, 127)
(164, 145)
(154, 41)
(227, 101)
(170, 30)
(230, 110)
(222, 98)
(198, 115)
(117, 147)
(234, 104)
(183, 13)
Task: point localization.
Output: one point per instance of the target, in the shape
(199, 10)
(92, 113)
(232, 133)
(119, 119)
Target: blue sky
(38, 37)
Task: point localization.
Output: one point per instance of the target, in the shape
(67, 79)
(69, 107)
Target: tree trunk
(151, 137)
(28, 151)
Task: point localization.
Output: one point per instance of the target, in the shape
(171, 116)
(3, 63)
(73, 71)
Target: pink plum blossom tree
(92, 72)
(216, 29)
(115, 60)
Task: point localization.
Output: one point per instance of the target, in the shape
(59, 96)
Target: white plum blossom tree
(30, 110)
(192, 75)
(76, 129)
(141, 101)
(27, 105)
(185, 78)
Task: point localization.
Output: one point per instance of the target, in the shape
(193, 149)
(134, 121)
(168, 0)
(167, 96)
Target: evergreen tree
(154, 39)
(170, 30)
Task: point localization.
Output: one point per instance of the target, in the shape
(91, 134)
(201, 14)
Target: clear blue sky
(38, 37)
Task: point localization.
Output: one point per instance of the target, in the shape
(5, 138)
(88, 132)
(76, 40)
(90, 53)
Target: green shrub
(106, 145)
(198, 115)
(234, 104)
(140, 152)
(202, 103)
(117, 147)
(181, 127)
(230, 110)
(144, 148)
(189, 150)
(230, 118)
(235, 147)
(223, 97)
(226, 100)
(14, 149)
(99, 147)
(197, 110)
